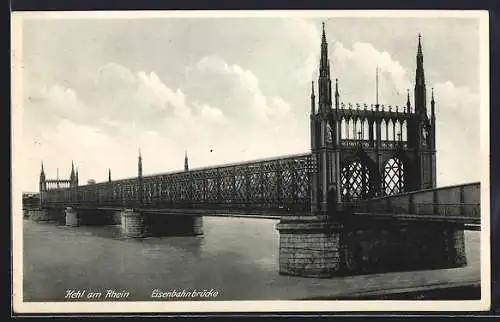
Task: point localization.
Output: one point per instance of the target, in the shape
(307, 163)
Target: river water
(235, 259)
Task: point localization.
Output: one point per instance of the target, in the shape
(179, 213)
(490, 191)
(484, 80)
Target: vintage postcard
(263, 161)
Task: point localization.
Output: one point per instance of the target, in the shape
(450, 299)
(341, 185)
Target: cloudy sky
(226, 90)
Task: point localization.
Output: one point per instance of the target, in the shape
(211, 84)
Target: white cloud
(139, 110)
(209, 112)
(154, 94)
(457, 134)
(356, 68)
(56, 100)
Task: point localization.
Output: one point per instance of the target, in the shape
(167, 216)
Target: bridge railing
(281, 184)
(387, 144)
(453, 201)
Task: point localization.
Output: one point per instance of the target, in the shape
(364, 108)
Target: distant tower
(139, 165)
(72, 176)
(109, 175)
(140, 191)
(76, 177)
(186, 164)
(42, 184)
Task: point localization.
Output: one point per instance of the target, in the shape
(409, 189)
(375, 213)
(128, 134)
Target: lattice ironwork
(393, 176)
(276, 184)
(355, 179)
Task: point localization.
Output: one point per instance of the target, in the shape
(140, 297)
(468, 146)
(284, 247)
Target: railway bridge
(363, 199)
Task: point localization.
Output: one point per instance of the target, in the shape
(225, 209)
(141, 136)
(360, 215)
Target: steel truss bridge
(270, 188)
(277, 186)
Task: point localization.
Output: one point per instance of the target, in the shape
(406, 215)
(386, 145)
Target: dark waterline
(236, 257)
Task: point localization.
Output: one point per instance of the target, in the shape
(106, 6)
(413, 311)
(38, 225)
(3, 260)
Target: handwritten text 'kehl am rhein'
(108, 294)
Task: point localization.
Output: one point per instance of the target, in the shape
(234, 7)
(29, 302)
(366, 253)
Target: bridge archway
(394, 176)
(358, 179)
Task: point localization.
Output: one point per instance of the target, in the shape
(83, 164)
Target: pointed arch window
(355, 181)
(394, 176)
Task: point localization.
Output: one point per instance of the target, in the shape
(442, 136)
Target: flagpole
(376, 86)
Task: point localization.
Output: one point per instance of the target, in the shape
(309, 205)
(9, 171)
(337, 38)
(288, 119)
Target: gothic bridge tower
(50, 184)
(368, 151)
(42, 182)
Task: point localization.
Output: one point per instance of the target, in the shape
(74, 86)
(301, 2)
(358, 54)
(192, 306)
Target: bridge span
(364, 199)
(349, 238)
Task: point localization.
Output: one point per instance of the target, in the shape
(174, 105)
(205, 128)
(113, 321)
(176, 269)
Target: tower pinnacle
(313, 99)
(420, 95)
(139, 164)
(41, 183)
(72, 175)
(42, 174)
(186, 165)
(408, 105)
(323, 37)
(324, 82)
(337, 96)
(419, 50)
(433, 103)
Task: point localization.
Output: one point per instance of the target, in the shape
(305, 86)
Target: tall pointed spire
(313, 100)
(419, 50)
(42, 184)
(337, 96)
(42, 174)
(186, 165)
(76, 176)
(324, 82)
(140, 179)
(139, 164)
(408, 104)
(420, 93)
(433, 115)
(109, 174)
(72, 175)
(323, 66)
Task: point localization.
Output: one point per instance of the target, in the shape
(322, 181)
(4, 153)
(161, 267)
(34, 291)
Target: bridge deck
(264, 189)
(455, 204)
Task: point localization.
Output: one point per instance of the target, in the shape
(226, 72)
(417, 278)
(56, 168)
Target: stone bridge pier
(89, 217)
(139, 224)
(46, 214)
(321, 247)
